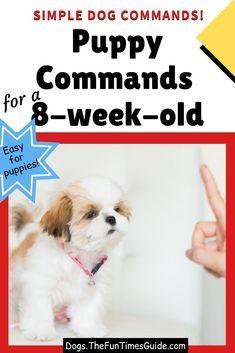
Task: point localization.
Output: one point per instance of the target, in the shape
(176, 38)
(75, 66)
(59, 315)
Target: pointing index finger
(214, 197)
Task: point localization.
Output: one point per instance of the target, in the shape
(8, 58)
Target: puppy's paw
(42, 332)
(92, 330)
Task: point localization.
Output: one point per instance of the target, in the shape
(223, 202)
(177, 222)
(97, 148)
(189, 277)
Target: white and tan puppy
(60, 260)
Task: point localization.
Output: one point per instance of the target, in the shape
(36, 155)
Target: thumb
(213, 260)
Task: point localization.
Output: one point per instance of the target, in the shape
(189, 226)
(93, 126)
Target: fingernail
(204, 166)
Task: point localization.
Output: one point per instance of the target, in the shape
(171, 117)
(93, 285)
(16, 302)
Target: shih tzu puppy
(62, 259)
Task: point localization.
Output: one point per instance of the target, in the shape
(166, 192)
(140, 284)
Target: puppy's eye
(117, 209)
(90, 215)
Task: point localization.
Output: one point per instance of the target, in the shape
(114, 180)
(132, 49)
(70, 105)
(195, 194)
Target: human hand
(211, 254)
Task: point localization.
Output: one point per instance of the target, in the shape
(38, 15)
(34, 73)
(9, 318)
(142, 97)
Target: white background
(27, 45)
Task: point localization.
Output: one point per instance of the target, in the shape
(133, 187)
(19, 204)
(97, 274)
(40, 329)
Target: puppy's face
(95, 211)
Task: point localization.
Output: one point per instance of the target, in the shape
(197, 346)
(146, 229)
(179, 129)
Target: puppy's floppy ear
(55, 219)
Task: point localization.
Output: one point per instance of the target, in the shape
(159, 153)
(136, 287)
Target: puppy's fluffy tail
(21, 216)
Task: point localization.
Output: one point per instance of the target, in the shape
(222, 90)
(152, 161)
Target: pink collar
(89, 273)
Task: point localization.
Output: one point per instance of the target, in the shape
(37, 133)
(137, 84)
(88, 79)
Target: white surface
(121, 326)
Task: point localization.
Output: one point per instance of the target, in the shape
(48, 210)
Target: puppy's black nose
(111, 220)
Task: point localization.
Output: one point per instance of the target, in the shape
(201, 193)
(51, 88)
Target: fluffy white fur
(45, 278)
